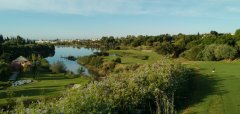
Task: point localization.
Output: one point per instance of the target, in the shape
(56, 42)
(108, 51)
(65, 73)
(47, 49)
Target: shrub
(4, 71)
(119, 68)
(208, 53)
(101, 53)
(166, 48)
(58, 67)
(194, 53)
(108, 66)
(117, 60)
(81, 70)
(83, 60)
(70, 74)
(225, 52)
(118, 48)
(218, 52)
(90, 60)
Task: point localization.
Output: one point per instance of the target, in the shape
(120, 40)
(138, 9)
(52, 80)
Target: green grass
(215, 93)
(47, 85)
(130, 56)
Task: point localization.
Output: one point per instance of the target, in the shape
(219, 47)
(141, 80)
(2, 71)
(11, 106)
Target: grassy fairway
(215, 93)
(131, 56)
(46, 86)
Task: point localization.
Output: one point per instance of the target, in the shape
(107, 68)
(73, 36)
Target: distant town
(55, 41)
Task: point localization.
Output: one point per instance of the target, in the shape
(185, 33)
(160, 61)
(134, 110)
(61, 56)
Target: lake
(62, 51)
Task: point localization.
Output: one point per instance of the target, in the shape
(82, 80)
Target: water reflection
(62, 51)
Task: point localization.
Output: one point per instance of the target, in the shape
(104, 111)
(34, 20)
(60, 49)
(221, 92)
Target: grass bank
(134, 56)
(47, 85)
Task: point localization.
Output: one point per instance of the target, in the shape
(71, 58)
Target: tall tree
(215, 33)
(1, 39)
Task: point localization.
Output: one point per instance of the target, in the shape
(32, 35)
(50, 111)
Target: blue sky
(49, 19)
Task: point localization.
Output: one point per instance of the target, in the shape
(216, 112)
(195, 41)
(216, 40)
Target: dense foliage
(11, 48)
(192, 47)
(218, 52)
(92, 60)
(152, 88)
(97, 65)
(4, 71)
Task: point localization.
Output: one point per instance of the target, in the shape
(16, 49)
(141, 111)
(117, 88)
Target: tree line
(210, 46)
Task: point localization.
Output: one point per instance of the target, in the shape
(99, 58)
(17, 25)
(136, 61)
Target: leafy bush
(91, 60)
(117, 60)
(218, 52)
(58, 67)
(213, 52)
(71, 58)
(81, 70)
(194, 53)
(5, 71)
(208, 53)
(117, 48)
(165, 48)
(108, 66)
(101, 53)
(225, 52)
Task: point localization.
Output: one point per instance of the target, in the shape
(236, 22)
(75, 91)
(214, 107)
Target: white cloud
(129, 7)
(83, 7)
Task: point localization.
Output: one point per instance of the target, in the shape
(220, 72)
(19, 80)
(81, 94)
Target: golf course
(212, 92)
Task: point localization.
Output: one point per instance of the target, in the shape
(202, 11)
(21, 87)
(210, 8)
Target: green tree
(237, 33)
(1, 39)
(195, 53)
(225, 52)
(165, 48)
(81, 70)
(117, 60)
(218, 52)
(209, 53)
(215, 33)
(4, 71)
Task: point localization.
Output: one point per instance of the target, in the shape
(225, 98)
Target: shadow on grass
(30, 92)
(50, 77)
(202, 86)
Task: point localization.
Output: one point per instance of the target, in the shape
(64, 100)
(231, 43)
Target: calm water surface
(67, 51)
